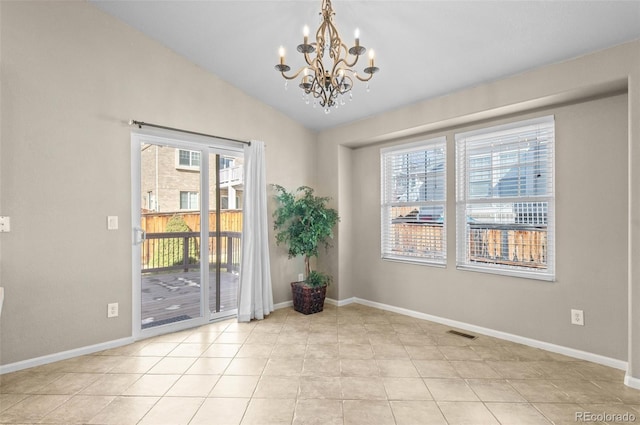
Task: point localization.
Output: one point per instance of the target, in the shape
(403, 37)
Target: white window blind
(505, 199)
(413, 202)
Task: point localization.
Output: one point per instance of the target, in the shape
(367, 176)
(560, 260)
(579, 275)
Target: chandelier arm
(291, 77)
(363, 79)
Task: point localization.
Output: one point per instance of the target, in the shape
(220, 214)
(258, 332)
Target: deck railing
(509, 244)
(181, 251)
(518, 245)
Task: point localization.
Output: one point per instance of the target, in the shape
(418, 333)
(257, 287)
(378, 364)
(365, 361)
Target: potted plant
(304, 222)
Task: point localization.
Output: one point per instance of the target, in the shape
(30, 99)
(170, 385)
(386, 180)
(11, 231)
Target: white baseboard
(282, 305)
(571, 352)
(632, 382)
(340, 303)
(64, 355)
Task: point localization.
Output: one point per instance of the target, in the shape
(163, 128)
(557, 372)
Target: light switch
(112, 222)
(5, 224)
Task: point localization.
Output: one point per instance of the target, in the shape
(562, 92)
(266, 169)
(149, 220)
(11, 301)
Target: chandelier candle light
(327, 81)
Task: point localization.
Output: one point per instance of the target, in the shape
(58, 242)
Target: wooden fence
(230, 221)
(508, 244)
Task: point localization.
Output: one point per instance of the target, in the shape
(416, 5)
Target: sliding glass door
(187, 220)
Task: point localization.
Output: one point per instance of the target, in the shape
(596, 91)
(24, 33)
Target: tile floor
(347, 365)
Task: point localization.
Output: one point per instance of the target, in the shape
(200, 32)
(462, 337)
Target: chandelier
(327, 79)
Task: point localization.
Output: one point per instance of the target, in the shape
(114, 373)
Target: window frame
(544, 202)
(190, 166)
(438, 258)
(190, 197)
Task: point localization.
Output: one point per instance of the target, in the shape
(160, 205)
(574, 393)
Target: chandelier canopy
(327, 79)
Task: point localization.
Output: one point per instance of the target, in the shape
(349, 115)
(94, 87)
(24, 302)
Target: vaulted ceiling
(424, 49)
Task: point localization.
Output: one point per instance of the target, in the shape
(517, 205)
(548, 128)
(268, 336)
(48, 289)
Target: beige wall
(591, 248)
(604, 132)
(72, 76)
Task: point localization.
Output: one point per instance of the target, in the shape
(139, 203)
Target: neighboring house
(171, 180)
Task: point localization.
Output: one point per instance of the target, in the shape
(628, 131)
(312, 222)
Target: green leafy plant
(304, 222)
(169, 252)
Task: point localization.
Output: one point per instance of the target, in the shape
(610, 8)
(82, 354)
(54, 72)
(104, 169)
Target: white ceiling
(424, 49)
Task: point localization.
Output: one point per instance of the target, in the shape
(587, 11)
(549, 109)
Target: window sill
(513, 273)
(418, 261)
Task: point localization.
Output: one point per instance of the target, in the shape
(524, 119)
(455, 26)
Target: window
(413, 202)
(188, 159)
(226, 162)
(505, 199)
(189, 201)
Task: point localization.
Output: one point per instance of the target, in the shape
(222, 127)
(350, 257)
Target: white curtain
(255, 297)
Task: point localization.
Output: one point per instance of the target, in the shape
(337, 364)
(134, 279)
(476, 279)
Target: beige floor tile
(172, 411)
(202, 337)
(235, 386)
(322, 351)
(288, 351)
(406, 389)
(621, 391)
(232, 337)
(495, 390)
(246, 366)
(450, 390)
(353, 338)
(357, 388)
(322, 338)
(157, 349)
(294, 337)
(262, 338)
(560, 413)
(407, 328)
(540, 391)
(389, 351)
(417, 352)
(26, 382)
(269, 412)
(367, 412)
(277, 387)
(124, 411)
(33, 408)
(447, 340)
(417, 413)
(466, 413)
(172, 365)
(220, 411)
(321, 367)
(517, 414)
(495, 353)
(525, 353)
(417, 340)
(187, 349)
(151, 385)
(283, 367)
(193, 386)
(435, 369)
(260, 351)
(209, 366)
(8, 400)
(94, 364)
(397, 368)
(379, 328)
(318, 412)
(356, 351)
(474, 369)
(125, 350)
(135, 365)
(384, 339)
(320, 388)
(515, 369)
(585, 392)
(178, 337)
(69, 383)
(459, 353)
(556, 370)
(78, 410)
(111, 384)
(221, 350)
(350, 367)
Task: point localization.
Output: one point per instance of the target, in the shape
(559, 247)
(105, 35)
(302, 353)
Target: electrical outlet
(112, 222)
(300, 277)
(577, 317)
(112, 310)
